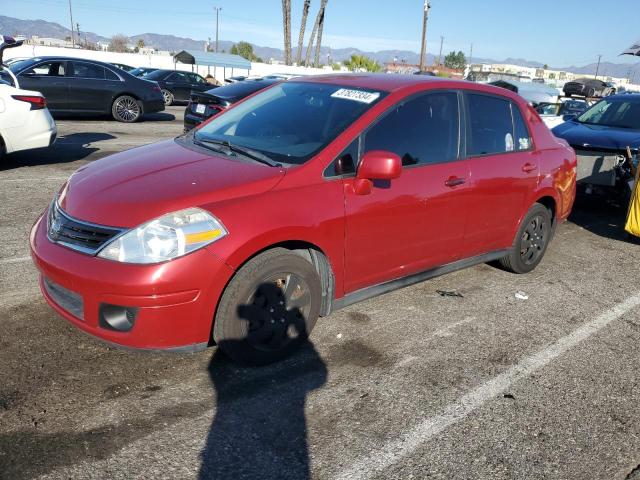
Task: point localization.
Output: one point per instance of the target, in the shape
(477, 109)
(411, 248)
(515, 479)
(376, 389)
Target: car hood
(135, 186)
(597, 136)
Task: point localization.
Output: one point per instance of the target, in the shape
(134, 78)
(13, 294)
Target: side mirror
(376, 165)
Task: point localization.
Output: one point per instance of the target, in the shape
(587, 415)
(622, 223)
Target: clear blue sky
(560, 33)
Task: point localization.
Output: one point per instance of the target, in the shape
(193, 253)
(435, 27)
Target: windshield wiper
(244, 151)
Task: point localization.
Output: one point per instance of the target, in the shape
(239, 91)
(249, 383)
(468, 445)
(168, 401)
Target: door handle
(528, 167)
(454, 181)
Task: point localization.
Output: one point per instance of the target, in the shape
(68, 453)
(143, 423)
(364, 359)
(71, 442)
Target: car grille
(77, 235)
(65, 299)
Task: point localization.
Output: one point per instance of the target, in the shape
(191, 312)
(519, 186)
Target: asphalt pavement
(413, 384)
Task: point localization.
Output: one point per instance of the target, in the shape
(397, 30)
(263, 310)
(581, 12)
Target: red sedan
(306, 197)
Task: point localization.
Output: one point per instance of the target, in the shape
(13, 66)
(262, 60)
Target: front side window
(87, 70)
(196, 78)
(422, 130)
(47, 69)
(292, 121)
(490, 125)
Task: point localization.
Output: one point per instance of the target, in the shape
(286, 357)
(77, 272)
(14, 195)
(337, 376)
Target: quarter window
(490, 125)
(423, 130)
(521, 133)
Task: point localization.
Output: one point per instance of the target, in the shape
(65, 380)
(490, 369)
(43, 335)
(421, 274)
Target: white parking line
(393, 452)
(4, 261)
(36, 178)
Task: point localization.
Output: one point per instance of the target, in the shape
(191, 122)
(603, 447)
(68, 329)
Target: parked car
(203, 105)
(534, 93)
(586, 87)
(600, 137)
(236, 78)
(25, 122)
(74, 86)
(308, 196)
(177, 85)
(553, 114)
(122, 66)
(142, 71)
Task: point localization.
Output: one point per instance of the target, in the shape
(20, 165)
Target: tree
(245, 50)
(140, 44)
(118, 43)
(286, 25)
(323, 5)
(303, 26)
(545, 66)
(336, 66)
(456, 61)
(362, 63)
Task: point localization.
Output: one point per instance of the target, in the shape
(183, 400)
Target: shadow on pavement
(68, 148)
(601, 217)
(259, 429)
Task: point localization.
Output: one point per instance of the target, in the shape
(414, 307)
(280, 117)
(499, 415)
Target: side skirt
(374, 291)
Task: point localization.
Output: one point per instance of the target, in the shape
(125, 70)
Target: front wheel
(126, 109)
(531, 241)
(269, 308)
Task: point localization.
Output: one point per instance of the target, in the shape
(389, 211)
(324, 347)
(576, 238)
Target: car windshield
(290, 122)
(613, 112)
(156, 74)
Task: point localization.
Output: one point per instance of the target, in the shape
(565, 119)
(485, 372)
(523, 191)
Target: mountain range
(43, 28)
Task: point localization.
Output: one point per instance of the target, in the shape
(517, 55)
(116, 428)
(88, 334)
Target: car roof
(65, 59)
(389, 82)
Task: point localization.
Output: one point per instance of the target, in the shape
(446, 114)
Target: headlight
(165, 238)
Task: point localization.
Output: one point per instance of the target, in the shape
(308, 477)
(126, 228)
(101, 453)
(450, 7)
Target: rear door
(180, 85)
(48, 78)
(89, 88)
(504, 171)
(416, 221)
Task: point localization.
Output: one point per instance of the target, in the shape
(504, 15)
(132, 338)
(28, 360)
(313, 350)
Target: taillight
(37, 103)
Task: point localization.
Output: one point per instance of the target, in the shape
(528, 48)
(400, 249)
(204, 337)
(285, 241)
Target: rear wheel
(531, 241)
(168, 97)
(126, 109)
(269, 308)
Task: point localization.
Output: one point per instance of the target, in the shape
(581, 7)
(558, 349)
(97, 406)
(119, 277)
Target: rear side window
(422, 130)
(521, 133)
(49, 69)
(490, 125)
(87, 70)
(110, 75)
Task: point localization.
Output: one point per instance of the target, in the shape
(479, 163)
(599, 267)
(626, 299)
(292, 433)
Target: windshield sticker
(356, 95)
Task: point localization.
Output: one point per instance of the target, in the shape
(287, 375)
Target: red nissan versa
(308, 196)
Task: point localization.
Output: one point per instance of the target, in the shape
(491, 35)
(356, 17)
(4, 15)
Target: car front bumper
(173, 303)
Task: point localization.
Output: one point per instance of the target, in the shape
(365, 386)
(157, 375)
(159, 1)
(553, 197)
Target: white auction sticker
(357, 95)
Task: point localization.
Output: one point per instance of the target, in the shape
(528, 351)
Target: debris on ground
(520, 295)
(449, 293)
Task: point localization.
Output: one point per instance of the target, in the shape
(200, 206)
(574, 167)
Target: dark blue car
(600, 137)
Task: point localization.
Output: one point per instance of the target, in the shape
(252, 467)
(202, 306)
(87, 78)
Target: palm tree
(323, 5)
(286, 23)
(313, 33)
(303, 25)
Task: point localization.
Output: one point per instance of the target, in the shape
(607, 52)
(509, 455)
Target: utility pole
(78, 33)
(598, 66)
(470, 53)
(440, 54)
(73, 42)
(217, 9)
(423, 50)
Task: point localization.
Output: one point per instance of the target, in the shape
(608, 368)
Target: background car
(203, 105)
(177, 85)
(142, 71)
(73, 85)
(123, 66)
(25, 122)
(554, 114)
(586, 87)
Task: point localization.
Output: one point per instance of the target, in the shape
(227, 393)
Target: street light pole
(73, 42)
(425, 17)
(217, 9)
(440, 54)
(598, 66)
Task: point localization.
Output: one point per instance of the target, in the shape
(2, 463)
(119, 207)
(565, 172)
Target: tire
(268, 308)
(168, 97)
(531, 241)
(126, 109)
